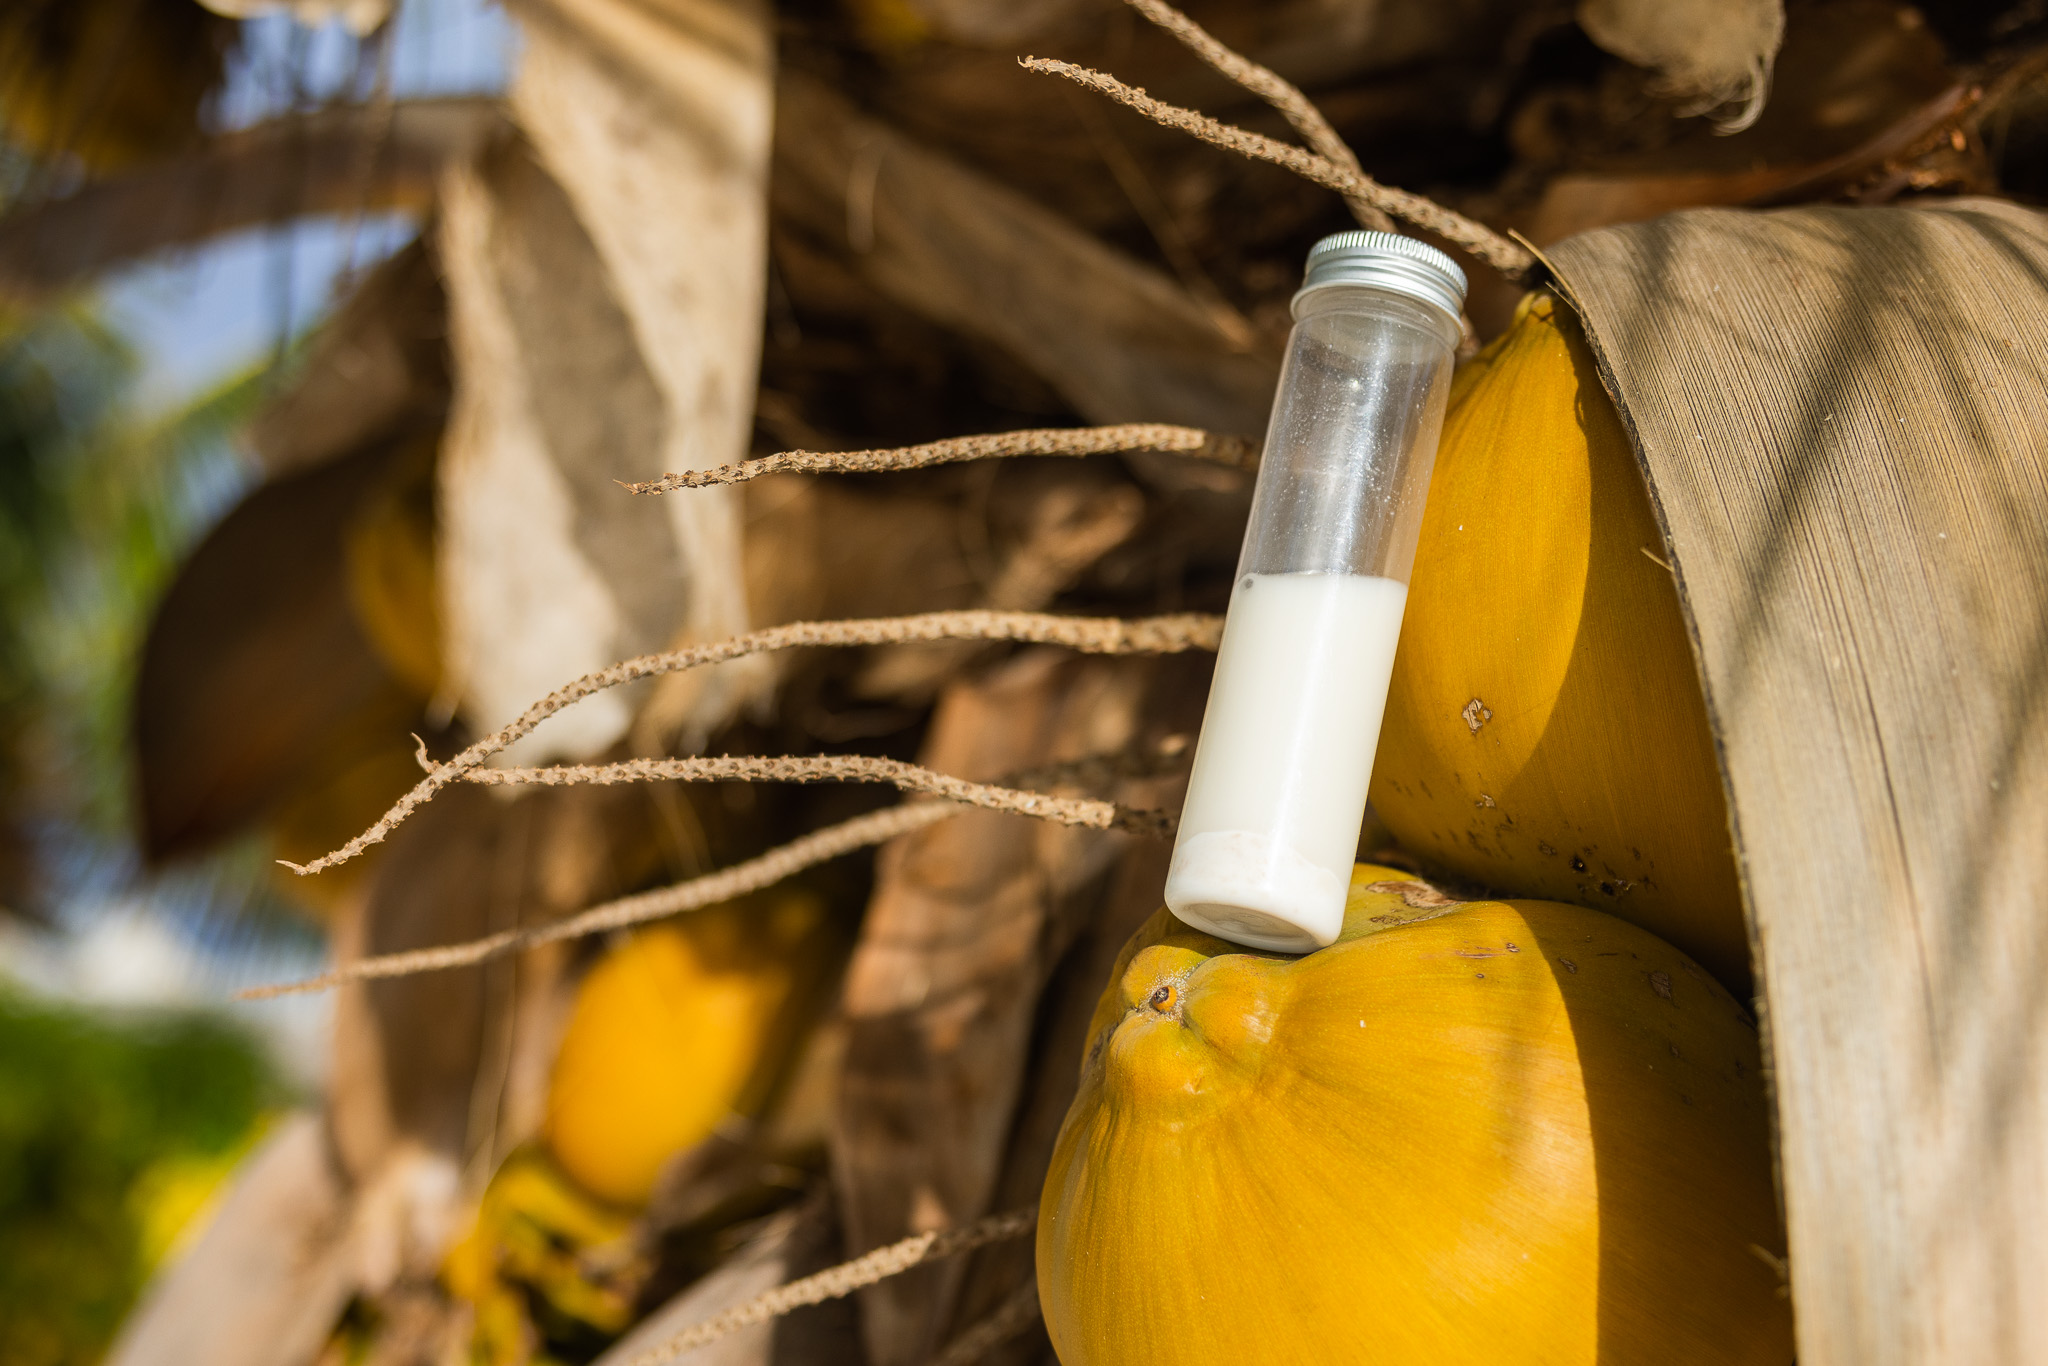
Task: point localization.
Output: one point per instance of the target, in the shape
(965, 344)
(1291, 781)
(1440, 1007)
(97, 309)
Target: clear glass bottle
(1270, 828)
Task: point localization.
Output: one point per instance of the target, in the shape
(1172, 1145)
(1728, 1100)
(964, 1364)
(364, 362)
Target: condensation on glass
(1270, 827)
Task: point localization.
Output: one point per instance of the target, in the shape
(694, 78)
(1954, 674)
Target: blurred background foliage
(126, 1092)
(114, 1132)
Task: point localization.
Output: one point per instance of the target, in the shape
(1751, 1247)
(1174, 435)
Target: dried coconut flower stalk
(1504, 254)
(712, 889)
(1090, 635)
(1017, 1312)
(1276, 90)
(835, 1282)
(877, 827)
(838, 768)
(1069, 441)
(789, 859)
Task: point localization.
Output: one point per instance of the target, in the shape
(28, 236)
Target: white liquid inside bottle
(1278, 789)
(1280, 775)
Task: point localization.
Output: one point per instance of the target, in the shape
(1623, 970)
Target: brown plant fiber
(1008, 1319)
(1235, 451)
(1504, 254)
(844, 1279)
(839, 768)
(1090, 635)
(710, 890)
(787, 860)
(1276, 90)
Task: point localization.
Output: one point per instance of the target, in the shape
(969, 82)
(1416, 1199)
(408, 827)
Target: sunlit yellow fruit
(679, 1029)
(1545, 733)
(1496, 1133)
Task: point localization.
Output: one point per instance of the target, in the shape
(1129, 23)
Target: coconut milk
(1270, 828)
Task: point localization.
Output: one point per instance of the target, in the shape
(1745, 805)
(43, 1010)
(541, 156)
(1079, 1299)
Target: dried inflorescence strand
(1276, 90)
(1235, 451)
(842, 1280)
(1090, 635)
(1504, 254)
(839, 768)
(1017, 1312)
(787, 860)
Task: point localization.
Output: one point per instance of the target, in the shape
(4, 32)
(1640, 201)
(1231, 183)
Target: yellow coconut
(680, 1029)
(1545, 732)
(1490, 1132)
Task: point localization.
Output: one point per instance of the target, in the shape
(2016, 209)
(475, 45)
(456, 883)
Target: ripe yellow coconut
(1493, 1133)
(678, 1030)
(1545, 732)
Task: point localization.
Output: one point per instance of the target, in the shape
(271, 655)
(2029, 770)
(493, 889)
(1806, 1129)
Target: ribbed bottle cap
(1384, 260)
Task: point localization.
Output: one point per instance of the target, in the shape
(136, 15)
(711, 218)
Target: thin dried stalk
(1090, 635)
(1075, 441)
(842, 1280)
(839, 768)
(1505, 255)
(1276, 90)
(787, 860)
(1015, 1314)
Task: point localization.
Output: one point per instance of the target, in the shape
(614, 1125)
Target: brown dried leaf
(966, 923)
(1709, 52)
(550, 570)
(1119, 340)
(655, 120)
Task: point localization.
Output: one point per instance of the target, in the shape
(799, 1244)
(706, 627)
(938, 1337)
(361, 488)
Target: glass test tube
(1270, 828)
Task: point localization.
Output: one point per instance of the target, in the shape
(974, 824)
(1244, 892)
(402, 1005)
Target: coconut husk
(1839, 416)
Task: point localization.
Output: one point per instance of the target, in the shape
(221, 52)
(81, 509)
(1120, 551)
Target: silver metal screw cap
(1384, 260)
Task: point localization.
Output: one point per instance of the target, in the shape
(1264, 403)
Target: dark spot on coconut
(1513, 949)
(1416, 894)
(1578, 864)
(1607, 887)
